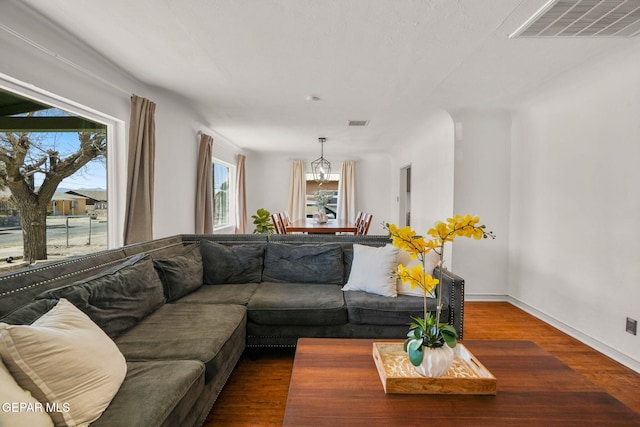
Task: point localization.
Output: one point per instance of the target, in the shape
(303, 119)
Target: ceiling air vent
(583, 18)
(358, 122)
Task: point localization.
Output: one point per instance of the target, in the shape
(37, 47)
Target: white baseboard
(580, 336)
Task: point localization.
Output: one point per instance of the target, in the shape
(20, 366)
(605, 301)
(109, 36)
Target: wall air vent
(583, 18)
(358, 122)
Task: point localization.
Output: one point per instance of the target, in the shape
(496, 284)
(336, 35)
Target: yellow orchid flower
(422, 330)
(416, 277)
(430, 283)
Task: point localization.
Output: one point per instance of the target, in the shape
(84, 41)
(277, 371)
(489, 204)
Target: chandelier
(321, 167)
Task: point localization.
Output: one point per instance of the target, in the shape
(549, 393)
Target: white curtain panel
(204, 186)
(241, 212)
(347, 191)
(297, 191)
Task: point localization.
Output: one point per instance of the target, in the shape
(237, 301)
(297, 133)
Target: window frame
(116, 160)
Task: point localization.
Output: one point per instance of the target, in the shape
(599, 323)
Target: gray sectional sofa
(182, 310)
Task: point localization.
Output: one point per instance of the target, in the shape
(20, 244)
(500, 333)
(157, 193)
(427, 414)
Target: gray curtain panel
(138, 221)
(204, 186)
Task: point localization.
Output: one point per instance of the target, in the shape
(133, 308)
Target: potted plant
(429, 342)
(263, 223)
(322, 200)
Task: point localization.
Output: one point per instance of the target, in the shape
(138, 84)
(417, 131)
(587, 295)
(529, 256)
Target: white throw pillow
(431, 261)
(372, 270)
(66, 361)
(18, 408)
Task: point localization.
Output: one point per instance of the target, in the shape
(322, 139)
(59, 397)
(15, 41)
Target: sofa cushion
(231, 264)
(221, 294)
(373, 270)
(12, 394)
(318, 263)
(155, 393)
(298, 304)
(118, 298)
(180, 274)
(187, 332)
(64, 358)
(369, 309)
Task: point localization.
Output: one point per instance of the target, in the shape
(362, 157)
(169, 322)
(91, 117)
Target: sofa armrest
(453, 295)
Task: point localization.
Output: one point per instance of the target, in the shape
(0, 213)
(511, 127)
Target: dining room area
(321, 201)
(318, 224)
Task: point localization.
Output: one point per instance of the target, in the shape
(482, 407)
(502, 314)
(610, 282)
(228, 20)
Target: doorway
(405, 196)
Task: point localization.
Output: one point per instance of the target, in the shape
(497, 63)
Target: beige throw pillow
(66, 361)
(17, 407)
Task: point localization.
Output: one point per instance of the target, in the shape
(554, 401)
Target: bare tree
(24, 154)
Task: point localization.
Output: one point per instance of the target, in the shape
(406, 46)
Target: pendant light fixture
(321, 167)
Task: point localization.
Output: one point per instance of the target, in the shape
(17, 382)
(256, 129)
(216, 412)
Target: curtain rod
(200, 134)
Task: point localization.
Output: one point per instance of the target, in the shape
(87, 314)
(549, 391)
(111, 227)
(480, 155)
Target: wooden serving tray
(465, 376)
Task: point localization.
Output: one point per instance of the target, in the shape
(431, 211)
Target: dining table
(312, 226)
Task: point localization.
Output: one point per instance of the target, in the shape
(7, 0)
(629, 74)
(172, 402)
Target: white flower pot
(435, 361)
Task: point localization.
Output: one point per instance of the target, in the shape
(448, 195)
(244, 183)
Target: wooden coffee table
(335, 382)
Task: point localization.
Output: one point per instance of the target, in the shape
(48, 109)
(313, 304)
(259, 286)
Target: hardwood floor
(256, 393)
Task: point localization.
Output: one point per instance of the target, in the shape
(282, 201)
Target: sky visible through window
(93, 176)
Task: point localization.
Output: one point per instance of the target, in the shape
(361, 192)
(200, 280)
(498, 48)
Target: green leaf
(419, 322)
(414, 350)
(449, 334)
(415, 334)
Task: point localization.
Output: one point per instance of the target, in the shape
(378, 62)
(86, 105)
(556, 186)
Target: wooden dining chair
(358, 219)
(285, 218)
(277, 224)
(363, 228)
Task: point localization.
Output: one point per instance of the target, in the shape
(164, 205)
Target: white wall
(175, 167)
(482, 182)
(267, 183)
(429, 151)
(374, 191)
(575, 242)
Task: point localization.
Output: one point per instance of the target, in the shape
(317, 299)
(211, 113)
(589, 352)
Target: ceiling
(249, 66)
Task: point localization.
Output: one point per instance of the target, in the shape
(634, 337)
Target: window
(223, 194)
(53, 135)
(329, 188)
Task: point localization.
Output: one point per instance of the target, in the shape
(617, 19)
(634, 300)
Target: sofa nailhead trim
(74, 273)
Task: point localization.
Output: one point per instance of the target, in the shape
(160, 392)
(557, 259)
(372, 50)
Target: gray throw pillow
(180, 274)
(231, 264)
(320, 263)
(30, 312)
(118, 298)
